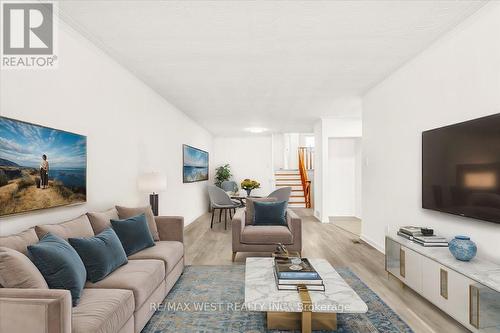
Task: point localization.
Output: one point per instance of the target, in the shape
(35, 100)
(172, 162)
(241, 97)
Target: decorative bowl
(463, 248)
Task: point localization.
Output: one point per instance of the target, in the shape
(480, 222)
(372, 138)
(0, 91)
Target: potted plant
(249, 184)
(222, 173)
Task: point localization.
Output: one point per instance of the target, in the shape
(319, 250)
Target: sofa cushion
(79, 227)
(249, 210)
(270, 234)
(133, 233)
(102, 310)
(20, 241)
(170, 252)
(125, 213)
(102, 220)
(142, 277)
(59, 264)
(270, 213)
(101, 254)
(17, 271)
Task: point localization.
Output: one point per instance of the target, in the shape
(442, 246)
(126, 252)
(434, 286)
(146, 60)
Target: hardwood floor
(347, 223)
(339, 247)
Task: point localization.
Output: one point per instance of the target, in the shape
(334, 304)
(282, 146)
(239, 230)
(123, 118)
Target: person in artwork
(44, 172)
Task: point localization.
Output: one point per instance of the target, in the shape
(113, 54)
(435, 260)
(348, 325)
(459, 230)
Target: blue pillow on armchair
(101, 254)
(133, 233)
(269, 213)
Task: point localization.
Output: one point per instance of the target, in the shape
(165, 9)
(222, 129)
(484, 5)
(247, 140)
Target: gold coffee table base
(305, 321)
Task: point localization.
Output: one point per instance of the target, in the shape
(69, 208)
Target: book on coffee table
(284, 270)
(294, 287)
(288, 277)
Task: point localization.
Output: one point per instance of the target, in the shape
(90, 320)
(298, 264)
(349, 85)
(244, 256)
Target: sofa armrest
(295, 225)
(170, 228)
(35, 310)
(237, 225)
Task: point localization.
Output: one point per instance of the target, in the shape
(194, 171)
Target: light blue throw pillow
(101, 254)
(59, 264)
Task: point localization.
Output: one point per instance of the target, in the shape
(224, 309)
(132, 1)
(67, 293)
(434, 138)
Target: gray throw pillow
(102, 220)
(17, 271)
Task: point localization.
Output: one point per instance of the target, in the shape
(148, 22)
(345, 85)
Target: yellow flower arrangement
(249, 184)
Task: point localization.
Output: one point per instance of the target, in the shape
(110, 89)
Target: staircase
(291, 178)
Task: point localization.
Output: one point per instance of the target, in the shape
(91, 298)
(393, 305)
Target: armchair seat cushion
(269, 234)
(102, 310)
(170, 252)
(142, 277)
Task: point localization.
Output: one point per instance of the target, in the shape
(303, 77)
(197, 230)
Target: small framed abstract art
(195, 164)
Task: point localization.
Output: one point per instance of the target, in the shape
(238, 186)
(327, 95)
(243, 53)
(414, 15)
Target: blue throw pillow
(269, 213)
(101, 254)
(133, 233)
(59, 264)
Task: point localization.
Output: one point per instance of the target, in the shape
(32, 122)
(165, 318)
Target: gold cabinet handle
(443, 283)
(474, 304)
(402, 263)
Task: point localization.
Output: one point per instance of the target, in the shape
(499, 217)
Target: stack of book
(409, 232)
(430, 241)
(414, 234)
(289, 278)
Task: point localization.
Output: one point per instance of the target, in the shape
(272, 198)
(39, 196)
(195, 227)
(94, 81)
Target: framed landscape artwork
(40, 167)
(195, 164)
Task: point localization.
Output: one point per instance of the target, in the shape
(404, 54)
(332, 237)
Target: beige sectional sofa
(122, 302)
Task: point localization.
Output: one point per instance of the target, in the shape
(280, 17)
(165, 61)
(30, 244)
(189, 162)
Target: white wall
(358, 179)
(278, 151)
(323, 130)
(317, 184)
(249, 157)
(456, 79)
(343, 177)
(130, 129)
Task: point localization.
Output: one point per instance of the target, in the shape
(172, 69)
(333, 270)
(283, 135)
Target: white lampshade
(152, 182)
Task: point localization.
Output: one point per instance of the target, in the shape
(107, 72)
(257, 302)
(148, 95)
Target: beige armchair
(250, 238)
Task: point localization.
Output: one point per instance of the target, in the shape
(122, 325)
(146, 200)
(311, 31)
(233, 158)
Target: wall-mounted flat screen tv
(40, 167)
(195, 164)
(461, 169)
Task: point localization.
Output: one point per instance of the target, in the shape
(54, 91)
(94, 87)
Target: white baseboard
(373, 244)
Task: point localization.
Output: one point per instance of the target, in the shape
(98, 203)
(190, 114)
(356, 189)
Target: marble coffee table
(299, 309)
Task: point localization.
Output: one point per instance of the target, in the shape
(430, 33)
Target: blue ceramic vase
(463, 248)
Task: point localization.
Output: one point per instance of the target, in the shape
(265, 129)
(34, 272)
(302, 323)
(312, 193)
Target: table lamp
(152, 182)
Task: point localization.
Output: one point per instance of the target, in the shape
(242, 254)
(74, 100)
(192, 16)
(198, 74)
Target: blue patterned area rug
(210, 299)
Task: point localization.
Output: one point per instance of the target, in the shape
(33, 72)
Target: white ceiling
(275, 64)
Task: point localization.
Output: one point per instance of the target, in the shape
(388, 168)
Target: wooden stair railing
(308, 157)
(305, 161)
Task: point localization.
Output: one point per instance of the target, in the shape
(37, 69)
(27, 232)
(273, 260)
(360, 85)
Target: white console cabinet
(467, 291)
